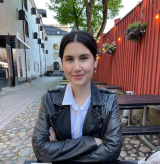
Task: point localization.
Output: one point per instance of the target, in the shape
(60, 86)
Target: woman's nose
(77, 66)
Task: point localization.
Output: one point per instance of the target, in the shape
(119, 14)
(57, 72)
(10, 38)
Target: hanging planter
(109, 48)
(135, 31)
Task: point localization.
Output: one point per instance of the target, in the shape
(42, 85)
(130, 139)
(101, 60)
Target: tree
(87, 15)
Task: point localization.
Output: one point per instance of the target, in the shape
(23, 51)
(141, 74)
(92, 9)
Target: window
(58, 32)
(25, 5)
(26, 28)
(55, 46)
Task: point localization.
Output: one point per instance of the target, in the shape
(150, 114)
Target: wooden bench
(141, 130)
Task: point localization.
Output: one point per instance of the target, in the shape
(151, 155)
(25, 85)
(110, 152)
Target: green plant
(109, 48)
(135, 30)
(64, 77)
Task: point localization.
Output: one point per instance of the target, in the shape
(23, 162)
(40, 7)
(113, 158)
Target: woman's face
(78, 63)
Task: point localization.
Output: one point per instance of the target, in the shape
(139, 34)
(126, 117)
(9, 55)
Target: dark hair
(79, 36)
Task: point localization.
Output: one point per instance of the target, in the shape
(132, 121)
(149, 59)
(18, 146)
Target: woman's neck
(81, 93)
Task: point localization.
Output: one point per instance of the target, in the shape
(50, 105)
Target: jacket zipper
(55, 129)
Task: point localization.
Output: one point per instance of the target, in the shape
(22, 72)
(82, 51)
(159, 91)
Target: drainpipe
(24, 41)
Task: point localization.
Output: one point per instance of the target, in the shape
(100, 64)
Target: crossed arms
(83, 149)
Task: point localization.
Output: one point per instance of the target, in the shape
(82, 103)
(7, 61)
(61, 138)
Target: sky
(128, 6)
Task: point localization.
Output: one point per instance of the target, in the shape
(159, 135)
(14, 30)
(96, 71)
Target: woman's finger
(50, 138)
(52, 133)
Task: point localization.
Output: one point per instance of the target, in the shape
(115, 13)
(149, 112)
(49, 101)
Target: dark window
(42, 36)
(55, 47)
(26, 28)
(25, 5)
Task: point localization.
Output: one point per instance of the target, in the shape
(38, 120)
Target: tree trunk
(76, 18)
(89, 7)
(104, 2)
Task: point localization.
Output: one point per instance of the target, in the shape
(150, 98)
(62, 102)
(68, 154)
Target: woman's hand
(52, 136)
(98, 141)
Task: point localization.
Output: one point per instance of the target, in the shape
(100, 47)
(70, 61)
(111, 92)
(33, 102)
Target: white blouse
(77, 114)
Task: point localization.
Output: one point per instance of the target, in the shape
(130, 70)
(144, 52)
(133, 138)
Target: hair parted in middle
(79, 36)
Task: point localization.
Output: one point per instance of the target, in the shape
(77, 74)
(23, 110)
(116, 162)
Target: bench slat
(131, 107)
(141, 130)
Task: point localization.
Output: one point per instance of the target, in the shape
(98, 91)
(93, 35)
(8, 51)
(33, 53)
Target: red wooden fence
(133, 66)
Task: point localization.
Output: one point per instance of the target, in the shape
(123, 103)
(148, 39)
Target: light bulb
(157, 16)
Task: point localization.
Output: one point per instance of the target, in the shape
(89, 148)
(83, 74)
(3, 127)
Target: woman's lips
(77, 76)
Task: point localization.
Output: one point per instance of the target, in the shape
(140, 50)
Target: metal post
(142, 137)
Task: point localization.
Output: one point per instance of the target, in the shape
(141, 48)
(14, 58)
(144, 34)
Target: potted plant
(135, 31)
(109, 48)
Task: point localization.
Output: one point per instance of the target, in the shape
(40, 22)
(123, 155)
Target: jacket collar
(96, 98)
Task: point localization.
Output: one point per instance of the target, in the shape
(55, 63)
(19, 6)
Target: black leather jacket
(102, 121)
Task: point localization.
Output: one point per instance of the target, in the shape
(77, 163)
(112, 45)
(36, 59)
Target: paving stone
(135, 142)
(128, 146)
(129, 158)
(123, 154)
(133, 155)
(139, 158)
(126, 142)
(130, 152)
(144, 149)
(9, 155)
(141, 154)
(6, 152)
(25, 152)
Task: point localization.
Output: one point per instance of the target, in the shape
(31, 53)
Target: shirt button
(99, 117)
(77, 128)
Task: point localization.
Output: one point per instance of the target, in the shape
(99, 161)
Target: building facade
(55, 34)
(24, 41)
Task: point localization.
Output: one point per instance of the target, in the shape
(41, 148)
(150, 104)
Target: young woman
(79, 122)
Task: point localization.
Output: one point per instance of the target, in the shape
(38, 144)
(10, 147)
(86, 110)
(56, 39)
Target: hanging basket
(110, 52)
(137, 34)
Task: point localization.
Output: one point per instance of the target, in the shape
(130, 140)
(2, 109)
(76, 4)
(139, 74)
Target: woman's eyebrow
(84, 55)
(67, 56)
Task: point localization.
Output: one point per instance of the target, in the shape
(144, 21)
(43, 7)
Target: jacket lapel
(92, 116)
(62, 123)
(91, 120)
(61, 119)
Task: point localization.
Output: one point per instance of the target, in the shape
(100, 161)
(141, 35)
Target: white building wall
(10, 24)
(53, 39)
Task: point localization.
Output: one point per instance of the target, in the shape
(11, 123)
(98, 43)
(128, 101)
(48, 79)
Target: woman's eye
(83, 58)
(69, 59)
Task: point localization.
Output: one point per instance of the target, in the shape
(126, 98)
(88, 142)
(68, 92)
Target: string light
(119, 39)
(157, 16)
(97, 57)
(97, 41)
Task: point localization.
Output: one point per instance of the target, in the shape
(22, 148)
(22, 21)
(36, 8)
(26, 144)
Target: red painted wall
(133, 66)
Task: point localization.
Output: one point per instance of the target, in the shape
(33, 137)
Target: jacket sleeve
(110, 149)
(47, 151)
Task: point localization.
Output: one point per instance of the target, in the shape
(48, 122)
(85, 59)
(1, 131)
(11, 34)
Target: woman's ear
(95, 62)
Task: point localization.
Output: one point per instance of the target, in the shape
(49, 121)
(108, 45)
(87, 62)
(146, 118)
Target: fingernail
(51, 127)
(50, 130)
(50, 136)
